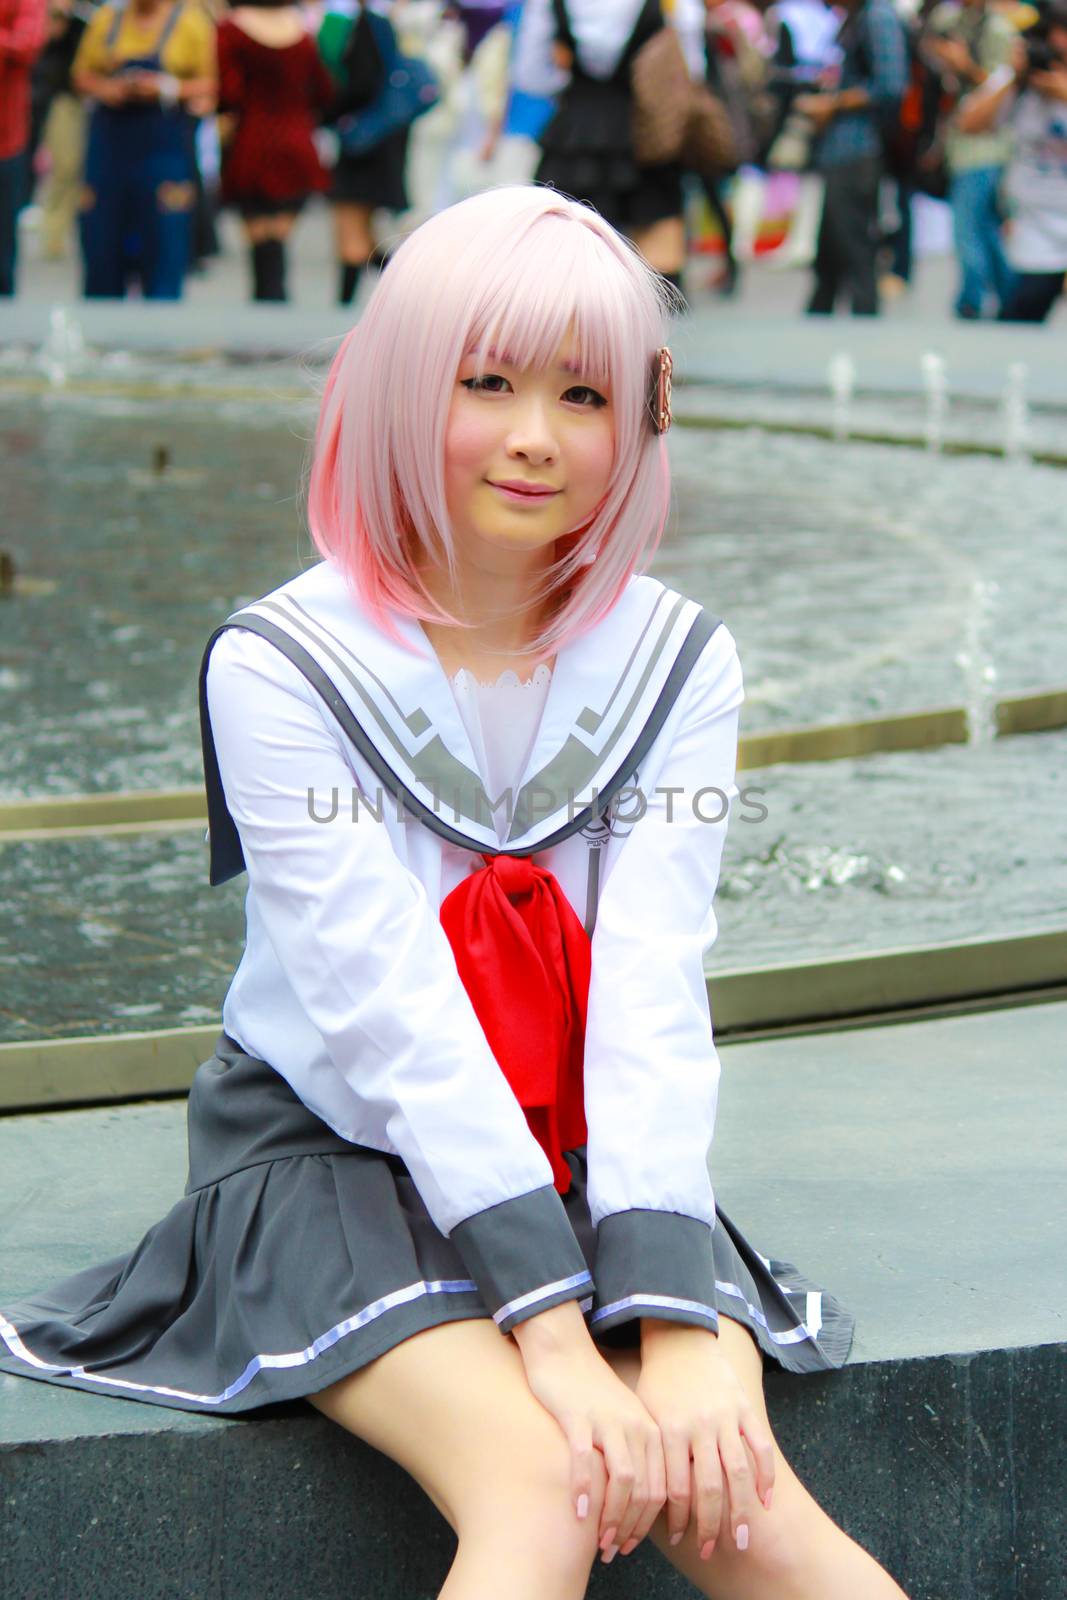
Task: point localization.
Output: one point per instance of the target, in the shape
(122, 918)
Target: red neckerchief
(524, 959)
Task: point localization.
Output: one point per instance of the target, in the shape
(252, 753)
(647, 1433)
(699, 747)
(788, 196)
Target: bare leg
(453, 1407)
(352, 232)
(663, 244)
(274, 227)
(795, 1552)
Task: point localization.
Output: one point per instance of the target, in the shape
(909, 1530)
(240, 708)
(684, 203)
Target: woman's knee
(520, 1478)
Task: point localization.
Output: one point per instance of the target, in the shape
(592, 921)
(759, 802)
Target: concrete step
(917, 1171)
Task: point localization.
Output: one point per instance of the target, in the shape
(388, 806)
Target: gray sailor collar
(610, 692)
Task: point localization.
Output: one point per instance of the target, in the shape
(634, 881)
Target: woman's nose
(532, 434)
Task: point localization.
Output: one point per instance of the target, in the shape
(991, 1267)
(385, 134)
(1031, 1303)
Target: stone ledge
(948, 1468)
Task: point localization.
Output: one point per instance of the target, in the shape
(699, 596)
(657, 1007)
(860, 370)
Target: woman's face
(512, 429)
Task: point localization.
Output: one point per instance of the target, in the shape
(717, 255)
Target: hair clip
(660, 391)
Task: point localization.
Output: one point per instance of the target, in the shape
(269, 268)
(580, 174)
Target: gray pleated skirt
(294, 1258)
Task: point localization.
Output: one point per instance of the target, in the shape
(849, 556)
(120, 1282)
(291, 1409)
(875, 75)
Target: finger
(758, 1438)
(740, 1486)
(708, 1490)
(679, 1483)
(620, 1481)
(580, 1439)
(637, 1445)
(656, 1480)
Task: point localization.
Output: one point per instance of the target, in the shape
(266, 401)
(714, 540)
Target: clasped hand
(688, 1438)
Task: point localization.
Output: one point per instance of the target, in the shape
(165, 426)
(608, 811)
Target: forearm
(88, 84)
(981, 112)
(202, 89)
(851, 100)
(552, 1333)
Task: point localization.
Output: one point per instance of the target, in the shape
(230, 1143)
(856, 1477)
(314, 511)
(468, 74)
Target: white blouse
(501, 720)
(601, 32)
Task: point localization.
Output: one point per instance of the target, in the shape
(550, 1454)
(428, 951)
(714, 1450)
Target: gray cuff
(523, 1256)
(654, 1264)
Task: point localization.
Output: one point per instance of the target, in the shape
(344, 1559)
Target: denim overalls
(140, 189)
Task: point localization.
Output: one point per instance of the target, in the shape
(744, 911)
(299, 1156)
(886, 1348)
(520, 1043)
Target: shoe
(787, 258)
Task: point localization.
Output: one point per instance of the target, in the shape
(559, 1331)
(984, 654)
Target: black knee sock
(351, 272)
(379, 258)
(268, 270)
(258, 269)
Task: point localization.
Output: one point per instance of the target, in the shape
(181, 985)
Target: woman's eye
(587, 396)
(484, 383)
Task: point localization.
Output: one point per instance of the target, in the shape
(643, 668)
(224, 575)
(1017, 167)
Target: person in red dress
(272, 80)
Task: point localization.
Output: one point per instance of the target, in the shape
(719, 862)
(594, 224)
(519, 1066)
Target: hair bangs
(526, 319)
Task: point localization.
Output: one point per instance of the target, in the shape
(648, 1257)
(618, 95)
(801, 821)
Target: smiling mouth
(524, 491)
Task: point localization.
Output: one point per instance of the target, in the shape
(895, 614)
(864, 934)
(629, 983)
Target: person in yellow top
(148, 66)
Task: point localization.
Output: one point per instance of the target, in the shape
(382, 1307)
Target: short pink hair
(512, 268)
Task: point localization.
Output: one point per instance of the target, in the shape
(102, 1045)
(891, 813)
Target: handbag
(409, 89)
(676, 118)
(791, 149)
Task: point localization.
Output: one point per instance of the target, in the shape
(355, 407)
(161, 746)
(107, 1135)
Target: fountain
(979, 673)
(842, 375)
(64, 348)
(935, 384)
(1015, 414)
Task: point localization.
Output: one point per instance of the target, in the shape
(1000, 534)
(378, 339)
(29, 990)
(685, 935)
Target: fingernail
(742, 1535)
(706, 1549)
(583, 1505)
(676, 1538)
(631, 1544)
(608, 1538)
(610, 1553)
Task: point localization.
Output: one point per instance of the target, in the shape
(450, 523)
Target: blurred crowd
(128, 124)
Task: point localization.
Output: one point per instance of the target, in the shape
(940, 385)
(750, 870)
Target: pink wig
(513, 269)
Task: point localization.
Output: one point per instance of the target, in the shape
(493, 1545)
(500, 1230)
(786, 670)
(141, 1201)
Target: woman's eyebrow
(491, 353)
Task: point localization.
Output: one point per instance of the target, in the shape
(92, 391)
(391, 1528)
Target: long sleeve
(231, 92)
(888, 57)
(533, 70)
(651, 1071)
(366, 956)
(23, 31)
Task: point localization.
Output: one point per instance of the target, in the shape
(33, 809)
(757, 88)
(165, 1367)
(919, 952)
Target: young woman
(272, 80)
(449, 1163)
(149, 67)
(373, 179)
(583, 50)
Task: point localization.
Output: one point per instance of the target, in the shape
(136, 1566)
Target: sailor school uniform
(467, 1066)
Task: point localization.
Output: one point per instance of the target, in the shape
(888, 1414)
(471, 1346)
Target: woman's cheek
(468, 446)
(594, 461)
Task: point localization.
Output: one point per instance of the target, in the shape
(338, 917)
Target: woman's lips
(523, 494)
